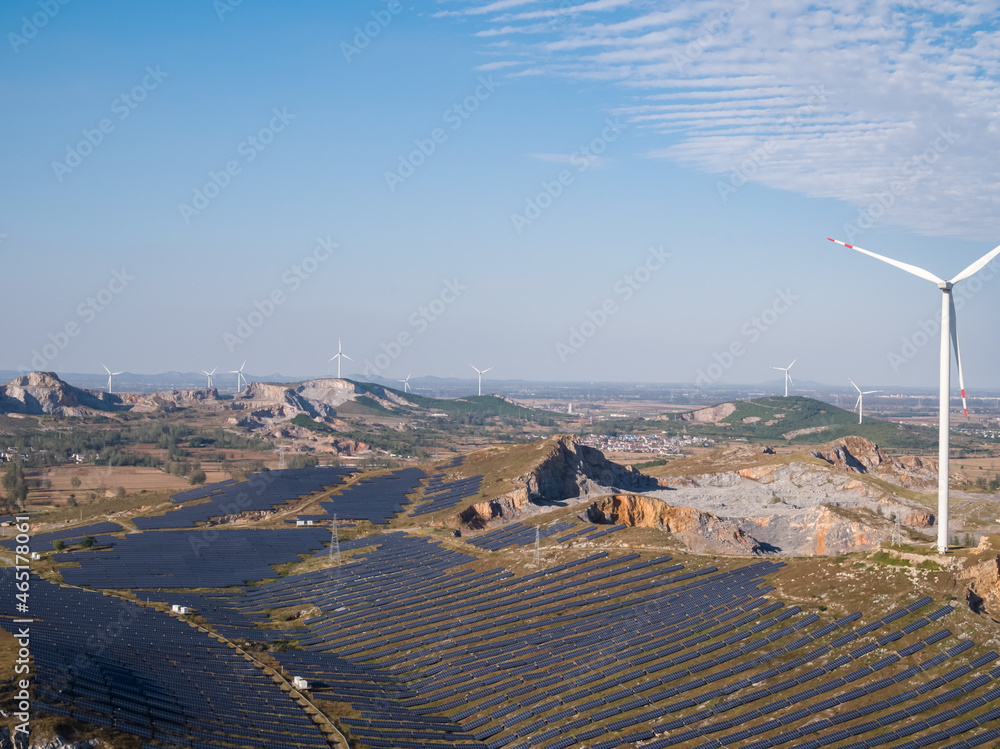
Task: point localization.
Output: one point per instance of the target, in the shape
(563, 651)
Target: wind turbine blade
(475, 368)
(976, 266)
(926, 275)
(346, 357)
(958, 356)
(105, 368)
(487, 370)
(869, 392)
(857, 403)
(333, 357)
(855, 386)
(780, 369)
(793, 363)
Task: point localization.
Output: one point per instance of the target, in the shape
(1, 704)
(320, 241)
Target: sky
(593, 190)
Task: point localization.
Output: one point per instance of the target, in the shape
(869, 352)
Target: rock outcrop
(699, 531)
(40, 393)
(505, 508)
(573, 470)
(859, 455)
(710, 415)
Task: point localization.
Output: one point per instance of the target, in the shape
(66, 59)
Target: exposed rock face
(504, 508)
(711, 415)
(700, 531)
(574, 470)
(44, 393)
(858, 455)
(983, 592)
(820, 530)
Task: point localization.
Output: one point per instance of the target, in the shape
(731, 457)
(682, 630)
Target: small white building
(299, 683)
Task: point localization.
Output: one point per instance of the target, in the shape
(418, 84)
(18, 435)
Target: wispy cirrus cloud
(849, 99)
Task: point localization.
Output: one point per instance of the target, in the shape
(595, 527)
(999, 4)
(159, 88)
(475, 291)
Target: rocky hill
(260, 405)
(44, 393)
(795, 419)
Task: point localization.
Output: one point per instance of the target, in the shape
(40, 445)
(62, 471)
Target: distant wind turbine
(406, 384)
(481, 373)
(338, 356)
(788, 377)
(859, 406)
(949, 334)
(110, 375)
(239, 376)
(209, 375)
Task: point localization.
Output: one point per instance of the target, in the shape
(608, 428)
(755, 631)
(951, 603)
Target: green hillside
(771, 419)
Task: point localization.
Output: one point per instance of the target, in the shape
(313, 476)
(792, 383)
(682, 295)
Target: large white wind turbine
(209, 375)
(481, 373)
(949, 333)
(239, 376)
(338, 356)
(110, 375)
(859, 406)
(406, 384)
(788, 377)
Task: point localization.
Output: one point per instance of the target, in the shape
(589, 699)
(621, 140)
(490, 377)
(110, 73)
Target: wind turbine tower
(340, 355)
(481, 373)
(110, 375)
(860, 405)
(949, 335)
(209, 375)
(788, 377)
(406, 384)
(239, 377)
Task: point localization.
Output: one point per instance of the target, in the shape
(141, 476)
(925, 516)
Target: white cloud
(854, 98)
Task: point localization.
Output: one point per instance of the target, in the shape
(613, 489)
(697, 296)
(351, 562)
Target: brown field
(133, 479)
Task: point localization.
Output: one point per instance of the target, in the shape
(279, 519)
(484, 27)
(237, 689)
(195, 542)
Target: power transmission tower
(334, 542)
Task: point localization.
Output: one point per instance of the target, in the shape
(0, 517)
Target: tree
(88, 542)
(71, 502)
(58, 544)
(14, 485)
(198, 477)
(120, 492)
(75, 482)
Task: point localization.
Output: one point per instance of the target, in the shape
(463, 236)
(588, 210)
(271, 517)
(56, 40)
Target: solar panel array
(444, 495)
(610, 651)
(44, 541)
(108, 662)
(376, 499)
(261, 492)
(517, 534)
(209, 558)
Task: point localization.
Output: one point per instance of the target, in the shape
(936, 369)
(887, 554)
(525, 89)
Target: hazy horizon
(614, 191)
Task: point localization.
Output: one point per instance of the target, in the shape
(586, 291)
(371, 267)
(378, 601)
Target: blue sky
(602, 190)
